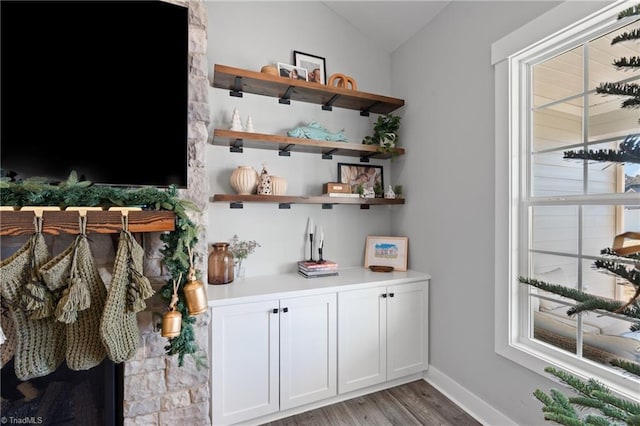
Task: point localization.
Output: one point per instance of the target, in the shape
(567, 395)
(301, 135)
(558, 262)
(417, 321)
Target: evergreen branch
(621, 270)
(633, 420)
(596, 421)
(563, 420)
(632, 35)
(631, 62)
(603, 155)
(620, 404)
(621, 89)
(628, 366)
(609, 252)
(632, 11)
(631, 103)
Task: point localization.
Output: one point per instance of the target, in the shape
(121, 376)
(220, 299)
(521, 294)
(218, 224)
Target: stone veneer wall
(156, 390)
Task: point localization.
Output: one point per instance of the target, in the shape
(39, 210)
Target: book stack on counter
(312, 269)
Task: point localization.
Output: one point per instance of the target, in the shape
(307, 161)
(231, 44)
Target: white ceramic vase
(244, 180)
(278, 185)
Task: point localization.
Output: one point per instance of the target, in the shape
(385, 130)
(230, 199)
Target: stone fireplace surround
(156, 390)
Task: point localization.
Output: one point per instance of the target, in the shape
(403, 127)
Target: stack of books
(312, 269)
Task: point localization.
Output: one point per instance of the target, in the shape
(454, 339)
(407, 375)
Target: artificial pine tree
(622, 262)
(629, 150)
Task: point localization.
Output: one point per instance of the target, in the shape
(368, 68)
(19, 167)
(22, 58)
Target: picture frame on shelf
(386, 251)
(292, 71)
(369, 176)
(315, 65)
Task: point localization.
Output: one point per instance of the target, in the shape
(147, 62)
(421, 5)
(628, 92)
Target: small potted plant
(385, 134)
(398, 190)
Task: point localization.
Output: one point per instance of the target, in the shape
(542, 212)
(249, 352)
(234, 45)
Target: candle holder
(311, 248)
(320, 259)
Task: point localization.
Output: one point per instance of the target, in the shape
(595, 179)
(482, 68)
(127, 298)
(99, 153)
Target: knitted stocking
(75, 269)
(8, 335)
(40, 342)
(119, 327)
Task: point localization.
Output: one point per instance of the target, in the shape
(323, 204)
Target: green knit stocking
(82, 303)
(119, 327)
(40, 342)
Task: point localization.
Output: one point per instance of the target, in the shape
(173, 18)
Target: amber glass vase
(220, 264)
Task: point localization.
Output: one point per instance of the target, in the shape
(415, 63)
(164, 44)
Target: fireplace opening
(64, 397)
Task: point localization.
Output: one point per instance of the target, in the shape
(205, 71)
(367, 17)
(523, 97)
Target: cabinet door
(307, 349)
(361, 338)
(407, 329)
(244, 365)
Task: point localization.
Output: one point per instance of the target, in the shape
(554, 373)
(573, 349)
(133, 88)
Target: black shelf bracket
(236, 92)
(236, 146)
(329, 105)
(329, 154)
(327, 206)
(286, 151)
(365, 112)
(235, 204)
(286, 98)
(284, 206)
(364, 206)
(365, 158)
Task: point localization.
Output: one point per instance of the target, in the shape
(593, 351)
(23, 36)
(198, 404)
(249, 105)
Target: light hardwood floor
(414, 403)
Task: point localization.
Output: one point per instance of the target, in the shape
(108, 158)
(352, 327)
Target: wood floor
(415, 403)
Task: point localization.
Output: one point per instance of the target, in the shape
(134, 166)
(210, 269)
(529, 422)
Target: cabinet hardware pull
(391, 295)
(383, 295)
(285, 309)
(275, 310)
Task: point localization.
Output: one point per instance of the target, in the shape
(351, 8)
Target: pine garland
(72, 192)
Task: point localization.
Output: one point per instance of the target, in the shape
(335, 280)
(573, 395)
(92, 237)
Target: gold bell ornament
(194, 291)
(172, 319)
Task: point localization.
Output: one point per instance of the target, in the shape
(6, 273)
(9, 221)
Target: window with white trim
(562, 211)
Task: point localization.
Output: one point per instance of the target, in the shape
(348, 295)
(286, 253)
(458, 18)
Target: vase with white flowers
(240, 251)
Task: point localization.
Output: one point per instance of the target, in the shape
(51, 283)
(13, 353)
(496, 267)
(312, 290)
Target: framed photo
(291, 71)
(387, 251)
(315, 66)
(358, 174)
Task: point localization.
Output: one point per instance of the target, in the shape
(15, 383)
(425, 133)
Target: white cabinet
(382, 334)
(272, 355)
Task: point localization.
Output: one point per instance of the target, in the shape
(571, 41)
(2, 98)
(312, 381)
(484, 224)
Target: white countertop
(292, 284)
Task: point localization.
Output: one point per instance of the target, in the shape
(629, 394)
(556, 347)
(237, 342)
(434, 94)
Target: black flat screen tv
(95, 87)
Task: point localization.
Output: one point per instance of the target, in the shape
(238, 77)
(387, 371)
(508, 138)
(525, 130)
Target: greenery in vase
(241, 249)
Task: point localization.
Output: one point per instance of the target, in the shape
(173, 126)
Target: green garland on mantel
(178, 243)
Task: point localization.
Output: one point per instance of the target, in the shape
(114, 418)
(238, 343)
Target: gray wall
(252, 34)
(445, 76)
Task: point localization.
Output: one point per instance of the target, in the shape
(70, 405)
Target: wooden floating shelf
(235, 139)
(288, 199)
(238, 80)
(14, 223)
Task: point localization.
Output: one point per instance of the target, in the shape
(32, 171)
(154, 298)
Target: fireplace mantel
(15, 223)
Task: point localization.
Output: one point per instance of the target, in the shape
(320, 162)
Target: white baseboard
(469, 402)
